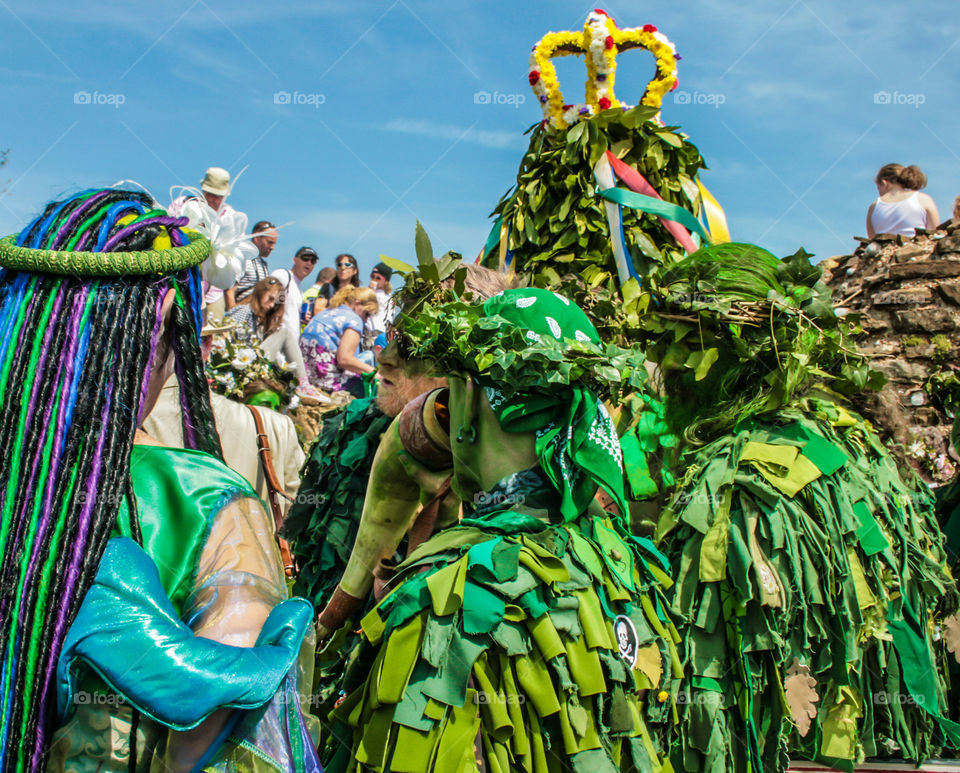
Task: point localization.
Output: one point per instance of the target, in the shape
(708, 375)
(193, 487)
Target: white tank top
(899, 217)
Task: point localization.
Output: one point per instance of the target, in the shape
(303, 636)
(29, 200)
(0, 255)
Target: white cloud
(488, 138)
(18, 76)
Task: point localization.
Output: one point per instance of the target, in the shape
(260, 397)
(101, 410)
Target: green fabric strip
(482, 609)
(656, 207)
(642, 485)
(919, 668)
(399, 659)
(871, 536)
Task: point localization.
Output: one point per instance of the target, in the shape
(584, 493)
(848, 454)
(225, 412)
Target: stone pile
(907, 293)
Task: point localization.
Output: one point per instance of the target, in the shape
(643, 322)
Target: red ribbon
(638, 184)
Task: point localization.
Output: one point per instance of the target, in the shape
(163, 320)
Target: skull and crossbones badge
(627, 639)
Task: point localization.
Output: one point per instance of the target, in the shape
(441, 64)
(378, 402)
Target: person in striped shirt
(256, 268)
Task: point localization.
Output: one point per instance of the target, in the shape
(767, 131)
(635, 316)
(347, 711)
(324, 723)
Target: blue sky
(794, 104)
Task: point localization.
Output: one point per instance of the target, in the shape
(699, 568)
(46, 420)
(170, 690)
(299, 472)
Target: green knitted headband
(67, 263)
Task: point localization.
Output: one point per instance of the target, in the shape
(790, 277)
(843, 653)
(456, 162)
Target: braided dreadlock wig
(80, 331)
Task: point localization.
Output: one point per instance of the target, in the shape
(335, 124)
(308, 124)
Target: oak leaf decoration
(801, 690)
(951, 634)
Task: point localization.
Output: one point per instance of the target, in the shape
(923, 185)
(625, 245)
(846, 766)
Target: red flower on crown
(604, 103)
(600, 11)
(649, 28)
(534, 76)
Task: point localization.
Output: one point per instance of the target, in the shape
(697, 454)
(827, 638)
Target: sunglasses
(346, 264)
(308, 258)
(375, 275)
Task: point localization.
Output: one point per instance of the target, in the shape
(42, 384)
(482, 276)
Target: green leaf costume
(795, 538)
(797, 546)
(503, 634)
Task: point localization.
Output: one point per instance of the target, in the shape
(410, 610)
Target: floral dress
(319, 343)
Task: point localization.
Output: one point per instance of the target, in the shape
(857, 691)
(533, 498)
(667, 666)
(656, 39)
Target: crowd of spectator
(330, 333)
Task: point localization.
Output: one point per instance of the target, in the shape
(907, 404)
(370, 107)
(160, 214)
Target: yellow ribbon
(716, 219)
(504, 269)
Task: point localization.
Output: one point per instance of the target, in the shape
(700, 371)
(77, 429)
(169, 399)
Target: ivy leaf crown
(440, 323)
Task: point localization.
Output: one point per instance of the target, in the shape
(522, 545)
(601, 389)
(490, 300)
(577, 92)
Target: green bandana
(577, 444)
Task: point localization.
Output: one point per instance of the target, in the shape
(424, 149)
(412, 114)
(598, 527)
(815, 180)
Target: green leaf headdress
(544, 369)
(737, 332)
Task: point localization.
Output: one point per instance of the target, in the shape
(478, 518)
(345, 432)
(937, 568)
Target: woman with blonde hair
(331, 341)
(901, 209)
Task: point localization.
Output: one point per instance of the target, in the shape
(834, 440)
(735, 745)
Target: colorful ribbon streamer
(670, 213)
(605, 180)
(716, 219)
(493, 239)
(498, 236)
(672, 219)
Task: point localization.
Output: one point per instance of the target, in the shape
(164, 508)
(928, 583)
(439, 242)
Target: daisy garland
(599, 43)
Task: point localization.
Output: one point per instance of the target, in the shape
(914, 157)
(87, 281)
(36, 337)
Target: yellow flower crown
(599, 43)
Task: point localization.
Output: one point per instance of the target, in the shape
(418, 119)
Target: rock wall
(907, 293)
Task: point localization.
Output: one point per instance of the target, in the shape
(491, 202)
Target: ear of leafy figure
(467, 431)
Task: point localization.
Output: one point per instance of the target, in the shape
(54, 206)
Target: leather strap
(383, 574)
(338, 609)
(275, 490)
(423, 526)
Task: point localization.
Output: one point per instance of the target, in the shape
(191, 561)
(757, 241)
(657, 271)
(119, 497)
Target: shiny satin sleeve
(239, 577)
(239, 580)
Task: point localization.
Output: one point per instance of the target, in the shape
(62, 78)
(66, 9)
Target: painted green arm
(392, 501)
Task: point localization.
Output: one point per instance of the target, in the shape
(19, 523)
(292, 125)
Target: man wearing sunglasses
(304, 261)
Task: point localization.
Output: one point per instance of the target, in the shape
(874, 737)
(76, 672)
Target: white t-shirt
(385, 312)
(898, 217)
(291, 312)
